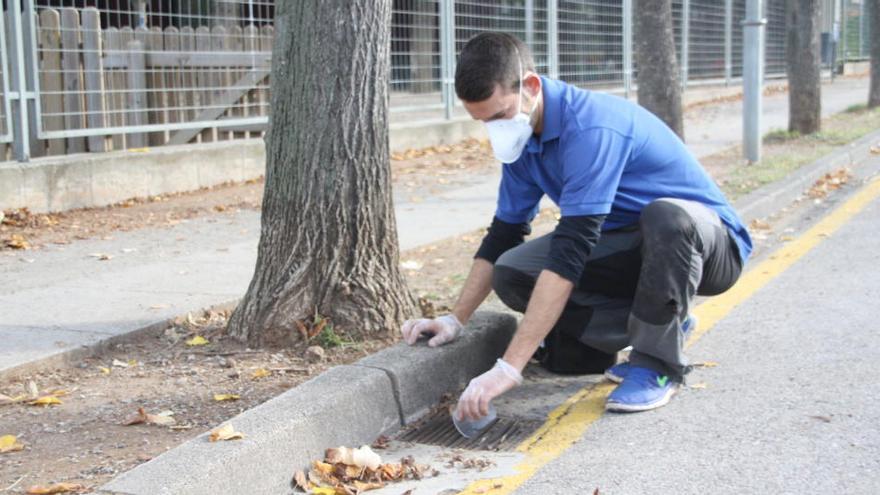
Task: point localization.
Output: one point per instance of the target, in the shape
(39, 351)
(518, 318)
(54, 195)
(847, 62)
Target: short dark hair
(487, 60)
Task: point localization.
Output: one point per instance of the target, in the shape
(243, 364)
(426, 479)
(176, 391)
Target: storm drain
(503, 435)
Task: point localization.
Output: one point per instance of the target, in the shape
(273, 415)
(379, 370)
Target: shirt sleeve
(571, 243)
(518, 195)
(592, 164)
(501, 237)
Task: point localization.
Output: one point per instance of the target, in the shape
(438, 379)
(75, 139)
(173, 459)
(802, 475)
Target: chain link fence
(137, 73)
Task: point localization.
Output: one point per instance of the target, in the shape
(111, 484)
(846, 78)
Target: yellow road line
(567, 423)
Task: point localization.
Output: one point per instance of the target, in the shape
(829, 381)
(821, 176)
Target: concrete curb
(767, 200)
(347, 405)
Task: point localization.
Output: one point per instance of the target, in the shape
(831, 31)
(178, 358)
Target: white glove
(474, 402)
(445, 329)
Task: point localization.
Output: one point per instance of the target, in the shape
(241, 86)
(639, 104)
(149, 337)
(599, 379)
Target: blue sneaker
(643, 389)
(618, 372)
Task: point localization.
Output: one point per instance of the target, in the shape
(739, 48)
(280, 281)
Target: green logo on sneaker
(661, 380)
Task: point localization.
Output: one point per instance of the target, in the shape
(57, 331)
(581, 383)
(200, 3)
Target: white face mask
(509, 136)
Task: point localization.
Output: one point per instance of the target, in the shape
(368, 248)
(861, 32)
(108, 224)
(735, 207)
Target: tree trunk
(658, 74)
(874, 32)
(802, 54)
(329, 242)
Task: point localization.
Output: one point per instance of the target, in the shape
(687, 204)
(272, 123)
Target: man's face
(503, 102)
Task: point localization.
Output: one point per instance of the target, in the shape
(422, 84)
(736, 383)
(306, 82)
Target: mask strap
(519, 63)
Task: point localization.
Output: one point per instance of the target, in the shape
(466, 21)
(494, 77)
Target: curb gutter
(346, 405)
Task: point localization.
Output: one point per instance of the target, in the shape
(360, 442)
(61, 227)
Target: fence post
(728, 42)
(685, 41)
(753, 76)
(552, 39)
(447, 55)
(21, 145)
(627, 47)
(137, 92)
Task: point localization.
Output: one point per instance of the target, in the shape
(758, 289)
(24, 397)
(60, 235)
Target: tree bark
(874, 20)
(803, 57)
(658, 73)
(328, 242)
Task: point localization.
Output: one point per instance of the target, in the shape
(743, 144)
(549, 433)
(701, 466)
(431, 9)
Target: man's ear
(532, 84)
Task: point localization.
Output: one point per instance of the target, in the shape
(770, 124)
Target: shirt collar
(552, 94)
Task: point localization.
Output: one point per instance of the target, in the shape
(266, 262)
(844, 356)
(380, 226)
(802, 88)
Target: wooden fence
(111, 81)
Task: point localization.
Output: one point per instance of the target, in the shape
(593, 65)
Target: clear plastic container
(470, 429)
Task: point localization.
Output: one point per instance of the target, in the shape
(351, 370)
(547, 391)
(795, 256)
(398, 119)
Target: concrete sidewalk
(62, 298)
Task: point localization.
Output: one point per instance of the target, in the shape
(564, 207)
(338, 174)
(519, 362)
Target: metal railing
(136, 73)
(5, 107)
(855, 43)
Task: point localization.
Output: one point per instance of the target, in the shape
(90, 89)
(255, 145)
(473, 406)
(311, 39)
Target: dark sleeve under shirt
(570, 244)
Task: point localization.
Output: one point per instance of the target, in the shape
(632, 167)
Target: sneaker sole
(618, 407)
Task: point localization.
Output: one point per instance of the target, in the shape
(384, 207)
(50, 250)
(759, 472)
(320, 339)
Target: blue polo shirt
(599, 154)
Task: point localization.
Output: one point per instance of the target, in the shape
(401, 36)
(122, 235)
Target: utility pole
(753, 78)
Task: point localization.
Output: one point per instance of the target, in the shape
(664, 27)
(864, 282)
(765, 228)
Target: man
(643, 230)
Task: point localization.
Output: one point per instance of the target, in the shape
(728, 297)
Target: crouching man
(643, 230)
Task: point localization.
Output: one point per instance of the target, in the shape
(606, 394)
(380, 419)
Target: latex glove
(474, 402)
(445, 329)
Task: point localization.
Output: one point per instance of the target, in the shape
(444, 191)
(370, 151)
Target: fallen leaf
(222, 397)
(159, 306)
(300, 481)
(119, 364)
(101, 256)
(759, 225)
(9, 443)
(17, 241)
(142, 417)
(105, 370)
(261, 373)
(706, 364)
(324, 490)
(411, 265)
(225, 432)
(875, 150)
(786, 238)
(197, 340)
(56, 488)
(5, 399)
(698, 385)
(47, 400)
(132, 362)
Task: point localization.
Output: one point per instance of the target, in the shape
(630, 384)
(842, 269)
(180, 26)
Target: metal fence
(135, 73)
(855, 43)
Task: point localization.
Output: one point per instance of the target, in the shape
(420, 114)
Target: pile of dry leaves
(347, 471)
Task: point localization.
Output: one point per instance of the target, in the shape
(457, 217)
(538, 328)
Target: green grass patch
(861, 107)
(785, 152)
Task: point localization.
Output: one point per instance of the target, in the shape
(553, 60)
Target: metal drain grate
(504, 434)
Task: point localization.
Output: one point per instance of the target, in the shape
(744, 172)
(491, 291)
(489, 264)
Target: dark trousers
(638, 283)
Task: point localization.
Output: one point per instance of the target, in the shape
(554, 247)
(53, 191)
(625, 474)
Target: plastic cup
(470, 429)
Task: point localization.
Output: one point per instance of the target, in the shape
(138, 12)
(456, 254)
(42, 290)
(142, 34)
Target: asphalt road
(793, 405)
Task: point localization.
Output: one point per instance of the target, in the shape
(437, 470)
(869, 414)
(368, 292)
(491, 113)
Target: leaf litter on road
(350, 471)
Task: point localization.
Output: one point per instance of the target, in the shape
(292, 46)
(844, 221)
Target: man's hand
(474, 402)
(445, 329)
